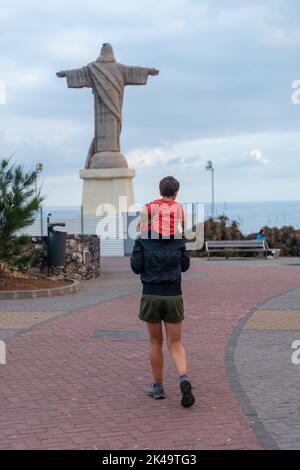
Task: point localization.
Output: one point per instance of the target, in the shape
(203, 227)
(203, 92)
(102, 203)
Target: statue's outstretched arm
(77, 78)
(153, 71)
(61, 74)
(137, 75)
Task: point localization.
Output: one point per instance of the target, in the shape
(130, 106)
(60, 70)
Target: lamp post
(38, 169)
(209, 167)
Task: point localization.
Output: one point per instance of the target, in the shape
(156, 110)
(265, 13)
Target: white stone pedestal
(105, 186)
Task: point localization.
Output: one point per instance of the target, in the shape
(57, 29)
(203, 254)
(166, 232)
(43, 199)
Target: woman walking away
(159, 256)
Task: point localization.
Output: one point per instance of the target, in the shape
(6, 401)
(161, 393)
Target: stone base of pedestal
(107, 160)
(105, 186)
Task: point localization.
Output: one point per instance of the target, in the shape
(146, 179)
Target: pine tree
(18, 206)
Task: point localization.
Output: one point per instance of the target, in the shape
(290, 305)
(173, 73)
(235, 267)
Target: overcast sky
(223, 93)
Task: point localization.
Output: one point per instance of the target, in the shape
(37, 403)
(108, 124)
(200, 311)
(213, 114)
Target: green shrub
(287, 238)
(18, 205)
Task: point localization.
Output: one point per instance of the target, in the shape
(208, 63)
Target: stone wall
(82, 257)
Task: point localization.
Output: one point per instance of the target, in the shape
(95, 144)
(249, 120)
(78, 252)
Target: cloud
(153, 157)
(258, 155)
(139, 158)
(59, 133)
(224, 88)
(227, 153)
(186, 160)
(237, 177)
(67, 189)
(73, 45)
(2, 92)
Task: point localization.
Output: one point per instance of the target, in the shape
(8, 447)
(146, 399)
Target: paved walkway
(77, 365)
(267, 373)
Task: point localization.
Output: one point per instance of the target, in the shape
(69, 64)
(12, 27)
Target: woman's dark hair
(168, 186)
(261, 231)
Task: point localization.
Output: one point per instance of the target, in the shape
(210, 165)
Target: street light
(38, 169)
(209, 167)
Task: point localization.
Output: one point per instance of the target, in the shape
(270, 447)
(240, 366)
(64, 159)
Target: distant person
(160, 260)
(262, 236)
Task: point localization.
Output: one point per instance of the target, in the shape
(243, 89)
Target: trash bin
(56, 244)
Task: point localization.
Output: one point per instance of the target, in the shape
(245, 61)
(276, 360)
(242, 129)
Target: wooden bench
(256, 246)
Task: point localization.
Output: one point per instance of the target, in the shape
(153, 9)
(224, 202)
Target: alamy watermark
(295, 97)
(2, 353)
(296, 354)
(2, 93)
(115, 222)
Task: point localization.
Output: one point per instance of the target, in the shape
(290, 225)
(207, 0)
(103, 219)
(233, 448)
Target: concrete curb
(33, 294)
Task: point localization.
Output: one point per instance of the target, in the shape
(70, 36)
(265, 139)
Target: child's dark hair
(168, 186)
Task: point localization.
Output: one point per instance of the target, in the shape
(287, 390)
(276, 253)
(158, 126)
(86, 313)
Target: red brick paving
(63, 390)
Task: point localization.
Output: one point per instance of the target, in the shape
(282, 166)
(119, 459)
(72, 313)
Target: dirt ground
(11, 283)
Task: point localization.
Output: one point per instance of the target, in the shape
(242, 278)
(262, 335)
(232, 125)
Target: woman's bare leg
(173, 331)
(177, 351)
(156, 352)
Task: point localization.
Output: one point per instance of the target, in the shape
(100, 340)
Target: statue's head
(107, 53)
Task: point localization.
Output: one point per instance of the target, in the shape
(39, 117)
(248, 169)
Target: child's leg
(173, 332)
(156, 352)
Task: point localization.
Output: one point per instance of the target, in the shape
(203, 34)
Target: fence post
(193, 216)
(41, 218)
(81, 219)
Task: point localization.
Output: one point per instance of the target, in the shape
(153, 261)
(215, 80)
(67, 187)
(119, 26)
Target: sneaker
(187, 398)
(156, 392)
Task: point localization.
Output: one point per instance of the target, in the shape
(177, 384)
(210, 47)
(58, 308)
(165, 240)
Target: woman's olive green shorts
(157, 308)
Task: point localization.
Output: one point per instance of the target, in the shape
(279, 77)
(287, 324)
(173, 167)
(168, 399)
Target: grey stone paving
(255, 262)
(269, 378)
(110, 286)
(120, 334)
(116, 281)
(289, 300)
(6, 334)
(88, 295)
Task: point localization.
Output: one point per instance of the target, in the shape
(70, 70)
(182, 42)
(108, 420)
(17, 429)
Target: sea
(251, 216)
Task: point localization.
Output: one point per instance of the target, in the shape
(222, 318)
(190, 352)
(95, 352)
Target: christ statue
(107, 79)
